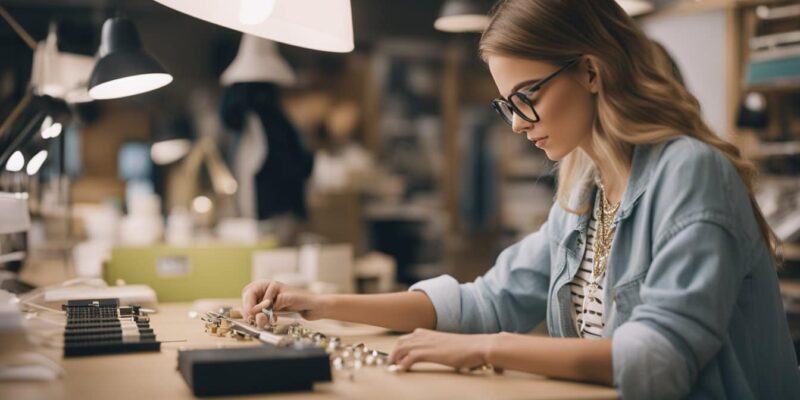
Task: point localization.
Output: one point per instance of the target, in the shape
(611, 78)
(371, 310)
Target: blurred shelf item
(773, 149)
(15, 256)
(778, 65)
(776, 87)
(790, 287)
(13, 213)
(790, 291)
(784, 41)
(774, 59)
(408, 211)
(791, 251)
(778, 12)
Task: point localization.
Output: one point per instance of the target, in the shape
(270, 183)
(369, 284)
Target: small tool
(248, 330)
(271, 320)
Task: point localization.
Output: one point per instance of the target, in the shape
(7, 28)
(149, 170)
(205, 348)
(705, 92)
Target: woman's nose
(519, 125)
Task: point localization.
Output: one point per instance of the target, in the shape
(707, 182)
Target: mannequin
(272, 163)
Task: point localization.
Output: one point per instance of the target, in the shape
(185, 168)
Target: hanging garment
(280, 181)
(478, 203)
(251, 153)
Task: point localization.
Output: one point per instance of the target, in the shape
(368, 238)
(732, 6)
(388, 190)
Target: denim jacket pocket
(625, 298)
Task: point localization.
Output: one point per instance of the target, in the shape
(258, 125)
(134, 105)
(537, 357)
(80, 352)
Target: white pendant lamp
(168, 151)
(58, 74)
(325, 25)
(258, 60)
(462, 16)
(636, 7)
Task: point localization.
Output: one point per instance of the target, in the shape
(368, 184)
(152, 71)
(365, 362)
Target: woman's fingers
(285, 301)
(261, 320)
(267, 299)
(400, 349)
(271, 292)
(413, 357)
(252, 294)
(249, 298)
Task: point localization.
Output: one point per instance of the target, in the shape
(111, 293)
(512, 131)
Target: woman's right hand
(264, 294)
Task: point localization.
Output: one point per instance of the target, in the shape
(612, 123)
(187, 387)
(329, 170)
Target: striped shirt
(593, 315)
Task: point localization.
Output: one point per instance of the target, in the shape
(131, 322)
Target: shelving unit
(770, 41)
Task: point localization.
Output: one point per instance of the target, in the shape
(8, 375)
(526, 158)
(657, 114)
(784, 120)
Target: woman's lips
(539, 142)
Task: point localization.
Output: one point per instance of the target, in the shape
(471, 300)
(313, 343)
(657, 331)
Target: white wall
(697, 42)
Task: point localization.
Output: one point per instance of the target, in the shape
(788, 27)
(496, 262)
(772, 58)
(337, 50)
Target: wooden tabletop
(154, 376)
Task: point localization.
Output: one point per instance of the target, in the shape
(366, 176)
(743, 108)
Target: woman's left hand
(456, 350)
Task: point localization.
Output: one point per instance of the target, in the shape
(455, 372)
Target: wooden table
(153, 376)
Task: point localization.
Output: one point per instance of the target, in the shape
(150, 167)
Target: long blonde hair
(639, 101)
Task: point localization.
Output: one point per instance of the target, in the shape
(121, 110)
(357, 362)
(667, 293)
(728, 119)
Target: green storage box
(188, 273)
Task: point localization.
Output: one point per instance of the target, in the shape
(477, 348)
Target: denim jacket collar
(644, 158)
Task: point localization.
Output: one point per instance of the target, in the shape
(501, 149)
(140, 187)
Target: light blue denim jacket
(691, 302)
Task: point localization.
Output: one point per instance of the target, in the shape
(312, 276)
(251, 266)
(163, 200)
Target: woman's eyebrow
(522, 84)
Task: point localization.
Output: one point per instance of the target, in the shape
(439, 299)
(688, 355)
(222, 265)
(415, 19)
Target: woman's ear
(590, 78)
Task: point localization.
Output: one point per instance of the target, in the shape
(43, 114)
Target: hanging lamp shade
(123, 68)
(258, 60)
(173, 142)
(325, 25)
(58, 74)
(462, 16)
(636, 7)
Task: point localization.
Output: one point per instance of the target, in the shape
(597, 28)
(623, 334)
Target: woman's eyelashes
(533, 98)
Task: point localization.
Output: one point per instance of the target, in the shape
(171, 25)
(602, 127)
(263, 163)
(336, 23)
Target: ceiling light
(636, 7)
(462, 16)
(15, 162)
(325, 25)
(124, 68)
(36, 163)
(169, 151)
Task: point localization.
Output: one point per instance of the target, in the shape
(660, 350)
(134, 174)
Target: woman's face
(565, 104)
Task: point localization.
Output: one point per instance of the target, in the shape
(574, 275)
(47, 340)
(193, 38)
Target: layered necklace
(604, 234)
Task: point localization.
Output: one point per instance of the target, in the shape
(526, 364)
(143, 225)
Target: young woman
(655, 271)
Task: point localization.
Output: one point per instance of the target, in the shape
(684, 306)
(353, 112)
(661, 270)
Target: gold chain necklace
(602, 245)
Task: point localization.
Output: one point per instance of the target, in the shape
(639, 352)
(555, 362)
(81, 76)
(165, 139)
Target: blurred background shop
(362, 169)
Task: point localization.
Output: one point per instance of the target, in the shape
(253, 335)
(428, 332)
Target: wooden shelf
(776, 88)
(778, 149)
(791, 251)
(790, 292)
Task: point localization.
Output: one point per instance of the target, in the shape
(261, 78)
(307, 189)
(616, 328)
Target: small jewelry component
(271, 320)
(343, 357)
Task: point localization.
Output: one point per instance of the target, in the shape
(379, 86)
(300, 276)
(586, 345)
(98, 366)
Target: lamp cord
(23, 34)
(15, 113)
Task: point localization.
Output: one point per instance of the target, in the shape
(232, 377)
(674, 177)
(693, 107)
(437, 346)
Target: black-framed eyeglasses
(519, 102)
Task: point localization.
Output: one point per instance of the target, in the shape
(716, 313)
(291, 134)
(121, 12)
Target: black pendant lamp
(123, 68)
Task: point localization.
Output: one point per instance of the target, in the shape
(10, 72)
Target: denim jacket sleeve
(689, 289)
(511, 297)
